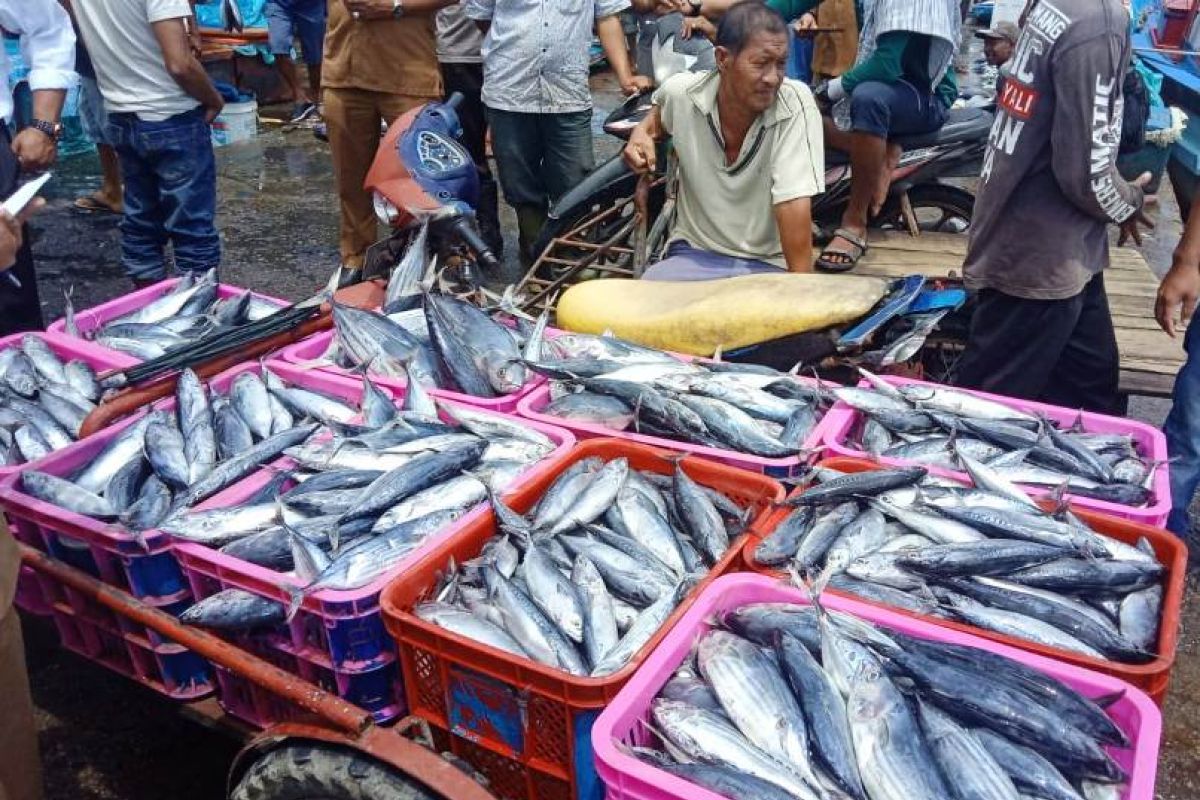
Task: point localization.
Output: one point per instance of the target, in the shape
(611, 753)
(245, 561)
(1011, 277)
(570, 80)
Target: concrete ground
(104, 737)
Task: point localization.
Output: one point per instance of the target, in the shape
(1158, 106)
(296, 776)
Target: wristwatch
(397, 9)
(52, 129)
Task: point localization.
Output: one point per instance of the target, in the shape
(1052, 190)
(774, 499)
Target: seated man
(902, 84)
(750, 156)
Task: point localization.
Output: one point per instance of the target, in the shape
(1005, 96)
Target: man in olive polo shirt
(750, 154)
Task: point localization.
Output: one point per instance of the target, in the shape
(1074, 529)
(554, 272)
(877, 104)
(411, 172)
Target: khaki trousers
(20, 769)
(353, 117)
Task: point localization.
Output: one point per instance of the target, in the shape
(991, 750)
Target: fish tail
(295, 600)
(1104, 701)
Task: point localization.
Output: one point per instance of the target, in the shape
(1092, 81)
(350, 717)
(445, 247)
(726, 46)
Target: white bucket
(236, 123)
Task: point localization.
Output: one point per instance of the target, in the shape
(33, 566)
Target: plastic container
(237, 122)
(313, 348)
(532, 407)
(68, 348)
(629, 779)
(91, 319)
(534, 716)
(841, 422)
(340, 630)
(1152, 678)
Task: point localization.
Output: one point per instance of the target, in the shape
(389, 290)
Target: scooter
(423, 179)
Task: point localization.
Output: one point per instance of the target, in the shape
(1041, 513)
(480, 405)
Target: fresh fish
(250, 399)
(45, 363)
(639, 634)
(783, 543)
(969, 769)
(219, 526)
(83, 379)
(236, 468)
(553, 593)
(65, 494)
(860, 484)
(164, 448)
(1028, 770)
(151, 508)
(539, 636)
(472, 626)
(988, 557)
(232, 433)
(234, 610)
(825, 531)
(422, 472)
(1139, 617)
(596, 409)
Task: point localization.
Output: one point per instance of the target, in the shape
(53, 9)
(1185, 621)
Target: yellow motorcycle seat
(700, 317)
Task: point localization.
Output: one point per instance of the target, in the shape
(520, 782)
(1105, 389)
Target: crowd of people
(750, 146)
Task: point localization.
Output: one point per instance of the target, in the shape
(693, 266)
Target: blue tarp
(253, 13)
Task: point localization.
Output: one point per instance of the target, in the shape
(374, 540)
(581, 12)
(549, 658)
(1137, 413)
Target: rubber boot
(530, 221)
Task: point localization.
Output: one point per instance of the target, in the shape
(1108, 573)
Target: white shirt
(130, 66)
(47, 45)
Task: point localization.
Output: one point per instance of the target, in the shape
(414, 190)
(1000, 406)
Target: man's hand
(211, 112)
(640, 153)
(1177, 297)
(370, 9)
(636, 84)
(697, 25)
(35, 150)
(806, 22)
(10, 233)
(1129, 228)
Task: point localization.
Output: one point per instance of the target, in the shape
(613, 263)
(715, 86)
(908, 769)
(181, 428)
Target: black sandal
(847, 261)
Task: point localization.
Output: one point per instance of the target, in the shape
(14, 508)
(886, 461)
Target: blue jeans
(170, 193)
(895, 109)
(1183, 435)
(683, 262)
(289, 19)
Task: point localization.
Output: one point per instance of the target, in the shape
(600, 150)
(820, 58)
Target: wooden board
(1149, 358)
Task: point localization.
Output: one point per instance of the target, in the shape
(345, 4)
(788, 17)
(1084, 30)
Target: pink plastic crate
(840, 423)
(533, 404)
(630, 779)
(340, 630)
(101, 359)
(91, 319)
(311, 349)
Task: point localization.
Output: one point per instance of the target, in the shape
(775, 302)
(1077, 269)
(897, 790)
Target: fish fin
(139, 536)
(1104, 701)
(295, 600)
(718, 353)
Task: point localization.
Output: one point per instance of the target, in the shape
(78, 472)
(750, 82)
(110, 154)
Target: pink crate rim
(842, 418)
(731, 591)
(91, 318)
(530, 407)
(306, 353)
(230, 569)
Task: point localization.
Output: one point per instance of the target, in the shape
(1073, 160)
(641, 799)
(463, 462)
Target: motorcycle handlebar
(464, 228)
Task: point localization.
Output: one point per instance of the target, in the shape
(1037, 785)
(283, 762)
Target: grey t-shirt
(458, 37)
(1049, 186)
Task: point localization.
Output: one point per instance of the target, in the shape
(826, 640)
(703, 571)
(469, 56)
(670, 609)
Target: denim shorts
(288, 20)
(887, 110)
(92, 117)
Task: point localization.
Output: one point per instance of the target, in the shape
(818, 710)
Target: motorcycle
(425, 187)
(600, 209)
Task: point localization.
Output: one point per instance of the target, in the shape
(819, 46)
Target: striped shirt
(535, 55)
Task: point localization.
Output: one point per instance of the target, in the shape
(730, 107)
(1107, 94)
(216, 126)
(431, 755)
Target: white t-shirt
(130, 66)
(730, 208)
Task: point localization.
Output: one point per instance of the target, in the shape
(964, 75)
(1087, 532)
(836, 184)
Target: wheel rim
(933, 216)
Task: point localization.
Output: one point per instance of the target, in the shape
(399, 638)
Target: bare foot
(99, 201)
(894, 151)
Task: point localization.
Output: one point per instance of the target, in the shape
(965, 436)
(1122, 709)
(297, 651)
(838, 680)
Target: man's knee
(871, 109)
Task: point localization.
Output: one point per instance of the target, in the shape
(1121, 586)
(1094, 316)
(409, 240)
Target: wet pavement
(105, 738)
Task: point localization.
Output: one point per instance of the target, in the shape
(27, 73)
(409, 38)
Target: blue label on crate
(484, 708)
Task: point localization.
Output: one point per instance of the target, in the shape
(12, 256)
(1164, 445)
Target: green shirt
(900, 55)
(794, 9)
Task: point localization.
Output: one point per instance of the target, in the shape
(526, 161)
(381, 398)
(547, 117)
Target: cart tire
(303, 771)
(954, 206)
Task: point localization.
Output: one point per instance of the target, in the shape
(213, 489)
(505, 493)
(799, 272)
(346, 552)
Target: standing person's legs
(567, 140)
(280, 35)
(467, 80)
(20, 767)
(352, 118)
(1015, 345)
(1088, 372)
(309, 23)
(1183, 435)
(94, 120)
(518, 148)
(20, 309)
(187, 180)
(143, 237)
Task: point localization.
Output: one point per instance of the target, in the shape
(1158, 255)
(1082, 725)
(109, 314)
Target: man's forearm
(612, 39)
(652, 124)
(195, 81)
(48, 104)
(1187, 252)
(794, 220)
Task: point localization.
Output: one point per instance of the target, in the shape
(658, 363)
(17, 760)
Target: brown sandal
(847, 261)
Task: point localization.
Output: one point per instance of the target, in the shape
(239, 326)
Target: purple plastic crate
(841, 422)
(100, 359)
(169, 669)
(533, 404)
(378, 690)
(91, 319)
(627, 778)
(341, 630)
(309, 351)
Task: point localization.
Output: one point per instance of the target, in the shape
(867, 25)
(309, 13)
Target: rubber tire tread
(305, 771)
(940, 195)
